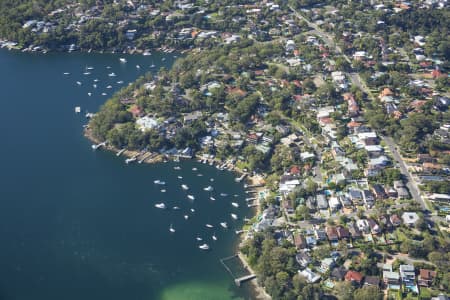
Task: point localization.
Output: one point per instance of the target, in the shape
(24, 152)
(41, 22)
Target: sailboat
(171, 228)
(214, 237)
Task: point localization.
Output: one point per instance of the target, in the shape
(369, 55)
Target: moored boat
(204, 247)
(160, 205)
(208, 188)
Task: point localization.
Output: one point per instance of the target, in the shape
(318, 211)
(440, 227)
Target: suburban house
(426, 277)
(407, 275)
(303, 259)
(310, 276)
(410, 218)
(354, 277)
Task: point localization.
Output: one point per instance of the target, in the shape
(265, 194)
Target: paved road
(327, 38)
(357, 81)
(411, 184)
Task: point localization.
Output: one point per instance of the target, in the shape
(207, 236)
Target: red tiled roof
(353, 276)
(353, 124)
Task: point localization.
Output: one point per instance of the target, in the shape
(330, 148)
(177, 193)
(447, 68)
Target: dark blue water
(79, 224)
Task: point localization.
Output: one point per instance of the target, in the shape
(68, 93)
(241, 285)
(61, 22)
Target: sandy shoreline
(258, 291)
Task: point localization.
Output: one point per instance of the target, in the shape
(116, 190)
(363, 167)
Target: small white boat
(78, 82)
(163, 190)
(208, 188)
(199, 175)
(199, 238)
(160, 205)
(177, 168)
(192, 210)
(194, 169)
(186, 217)
(175, 208)
(108, 67)
(152, 66)
(214, 237)
(223, 194)
(209, 225)
(146, 53)
(191, 197)
(130, 160)
(89, 94)
(211, 179)
(224, 224)
(234, 204)
(87, 73)
(77, 109)
(212, 198)
(163, 59)
(184, 187)
(120, 82)
(138, 66)
(122, 60)
(204, 247)
(104, 94)
(95, 80)
(89, 68)
(180, 177)
(95, 86)
(112, 74)
(109, 87)
(234, 216)
(66, 73)
(171, 228)
(157, 181)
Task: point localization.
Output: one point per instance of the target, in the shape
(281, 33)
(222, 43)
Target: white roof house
(310, 276)
(410, 218)
(146, 123)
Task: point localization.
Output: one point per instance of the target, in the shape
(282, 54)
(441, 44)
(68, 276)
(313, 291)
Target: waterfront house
(426, 277)
(146, 123)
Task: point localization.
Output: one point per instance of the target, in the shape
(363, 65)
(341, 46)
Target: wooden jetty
(242, 279)
(237, 280)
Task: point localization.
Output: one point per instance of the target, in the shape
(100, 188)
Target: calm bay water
(79, 224)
